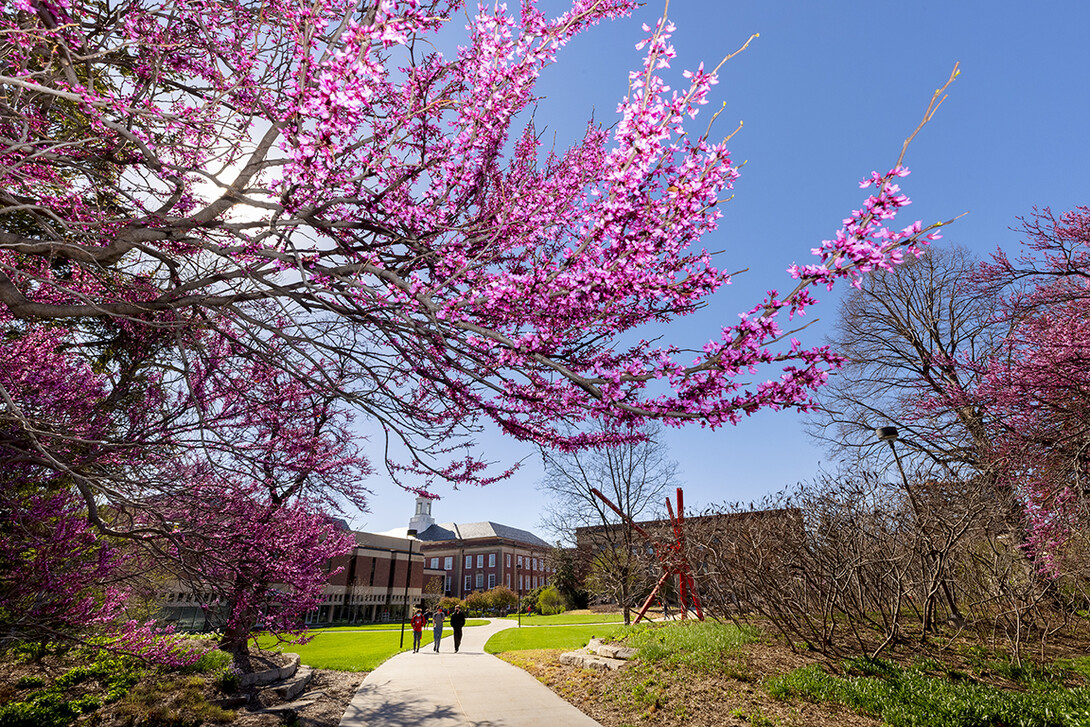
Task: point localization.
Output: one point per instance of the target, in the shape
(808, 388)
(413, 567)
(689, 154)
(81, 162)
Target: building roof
(475, 531)
(382, 541)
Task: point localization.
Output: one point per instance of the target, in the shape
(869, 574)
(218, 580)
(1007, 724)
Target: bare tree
(635, 477)
(903, 333)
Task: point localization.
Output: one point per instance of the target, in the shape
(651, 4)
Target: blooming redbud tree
(1036, 387)
(195, 194)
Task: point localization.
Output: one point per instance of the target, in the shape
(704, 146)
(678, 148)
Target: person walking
(418, 628)
(457, 621)
(437, 627)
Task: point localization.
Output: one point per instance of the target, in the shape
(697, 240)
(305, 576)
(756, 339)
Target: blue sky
(827, 93)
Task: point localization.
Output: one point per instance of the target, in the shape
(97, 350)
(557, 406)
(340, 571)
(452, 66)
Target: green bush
(529, 599)
(213, 660)
(447, 603)
(549, 602)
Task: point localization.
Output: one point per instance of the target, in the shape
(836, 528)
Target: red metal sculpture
(671, 555)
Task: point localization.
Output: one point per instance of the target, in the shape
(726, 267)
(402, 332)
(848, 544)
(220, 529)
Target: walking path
(451, 690)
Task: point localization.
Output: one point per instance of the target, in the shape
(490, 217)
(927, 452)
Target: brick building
(376, 581)
(480, 556)
(374, 584)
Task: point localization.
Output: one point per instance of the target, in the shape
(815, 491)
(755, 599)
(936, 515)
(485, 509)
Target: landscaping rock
(615, 652)
(598, 656)
(268, 676)
(585, 660)
(292, 688)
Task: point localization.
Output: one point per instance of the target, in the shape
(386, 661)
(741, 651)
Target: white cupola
(422, 519)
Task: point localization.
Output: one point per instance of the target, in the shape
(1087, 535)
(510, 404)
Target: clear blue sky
(827, 93)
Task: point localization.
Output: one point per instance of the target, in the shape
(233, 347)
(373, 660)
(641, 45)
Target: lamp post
(889, 434)
(518, 571)
(408, 577)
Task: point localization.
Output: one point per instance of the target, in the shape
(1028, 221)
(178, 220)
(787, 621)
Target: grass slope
(568, 618)
(547, 637)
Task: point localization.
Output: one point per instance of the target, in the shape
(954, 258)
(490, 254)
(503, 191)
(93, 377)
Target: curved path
(448, 690)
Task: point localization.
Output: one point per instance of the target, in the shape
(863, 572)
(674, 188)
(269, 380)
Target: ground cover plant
(58, 685)
(904, 697)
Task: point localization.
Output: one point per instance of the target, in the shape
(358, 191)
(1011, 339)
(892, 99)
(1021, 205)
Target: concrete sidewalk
(449, 690)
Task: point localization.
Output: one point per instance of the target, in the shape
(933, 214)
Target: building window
(534, 566)
(469, 583)
(491, 580)
(469, 561)
(507, 580)
(491, 560)
(508, 562)
(480, 560)
(446, 588)
(535, 581)
(520, 561)
(448, 563)
(434, 562)
(480, 581)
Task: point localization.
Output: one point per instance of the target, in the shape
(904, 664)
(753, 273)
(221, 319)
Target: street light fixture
(411, 533)
(889, 434)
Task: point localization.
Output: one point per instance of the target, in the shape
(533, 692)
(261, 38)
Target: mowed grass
(388, 627)
(569, 618)
(355, 649)
(347, 651)
(548, 637)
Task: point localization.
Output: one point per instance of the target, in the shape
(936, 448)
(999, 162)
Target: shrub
(529, 601)
(447, 603)
(549, 601)
(503, 599)
(495, 600)
(477, 602)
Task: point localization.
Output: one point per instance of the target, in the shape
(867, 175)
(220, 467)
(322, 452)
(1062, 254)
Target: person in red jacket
(418, 628)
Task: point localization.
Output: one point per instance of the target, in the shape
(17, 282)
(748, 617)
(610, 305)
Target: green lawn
(355, 649)
(548, 637)
(388, 627)
(569, 618)
(362, 651)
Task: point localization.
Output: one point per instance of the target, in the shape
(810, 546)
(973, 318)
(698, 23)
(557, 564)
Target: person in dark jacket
(457, 621)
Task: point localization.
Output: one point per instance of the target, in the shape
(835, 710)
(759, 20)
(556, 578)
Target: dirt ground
(337, 687)
(639, 696)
